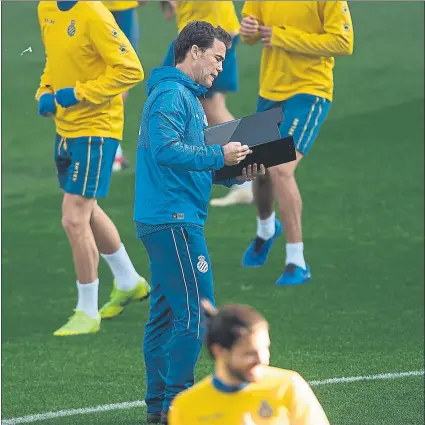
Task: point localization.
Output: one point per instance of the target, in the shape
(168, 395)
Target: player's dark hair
(227, 325)
(201, 34)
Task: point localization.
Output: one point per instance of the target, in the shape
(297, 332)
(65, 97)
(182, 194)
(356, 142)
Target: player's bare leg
(268, 228)
(264, 196)
(128, 284)
(125, 96)
(217, 113)
(216, 109)
(280, 184)
(105, 233)
(289, 200)
(120, 161)
(76, 213)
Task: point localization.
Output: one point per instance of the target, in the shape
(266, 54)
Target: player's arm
(45, 82)
(304, 408)
(167, 125)
(123, 68)
(251, 16)
(337, 40)
(45, 93)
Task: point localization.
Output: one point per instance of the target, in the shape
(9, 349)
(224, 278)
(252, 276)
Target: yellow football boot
(119, 299)
(79, 324)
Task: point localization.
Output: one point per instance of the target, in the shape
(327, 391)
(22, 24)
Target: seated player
(217, 13)
(244, 389)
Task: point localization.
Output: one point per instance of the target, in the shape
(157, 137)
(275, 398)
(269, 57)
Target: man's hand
(266, 35)
(251, 173)
(249, 26)
(234, 153)
(46, 105)
(66, 97)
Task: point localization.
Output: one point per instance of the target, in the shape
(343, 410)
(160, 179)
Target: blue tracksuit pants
(180, 278)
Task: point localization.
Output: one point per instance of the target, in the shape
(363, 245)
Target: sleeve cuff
(219, 153)
(40, 93)
(278, 33)
(78, 93)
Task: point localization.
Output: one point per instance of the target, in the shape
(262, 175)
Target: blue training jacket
(174, 167)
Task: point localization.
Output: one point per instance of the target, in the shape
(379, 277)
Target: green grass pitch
(362, 185)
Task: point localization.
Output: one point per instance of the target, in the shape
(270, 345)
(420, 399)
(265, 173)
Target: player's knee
(74, 223)
(284, 171)
(281, 172)
(76, 213)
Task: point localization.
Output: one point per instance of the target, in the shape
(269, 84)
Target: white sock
(295, 254)
(266, 228)
(122, 268)
(88, 298)
(119, 151)
(246, 185)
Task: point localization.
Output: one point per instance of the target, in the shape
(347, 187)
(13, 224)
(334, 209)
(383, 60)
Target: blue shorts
(228, 79)
(84, 164)
(303, 115)
(128, 21)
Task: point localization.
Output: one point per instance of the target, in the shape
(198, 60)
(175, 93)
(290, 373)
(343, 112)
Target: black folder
(261, 133)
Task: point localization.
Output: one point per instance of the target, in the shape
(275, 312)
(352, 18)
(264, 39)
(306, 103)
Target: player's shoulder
(46, 6)
(277, 377)
(95, 10)
(196, 391)
(172, 95)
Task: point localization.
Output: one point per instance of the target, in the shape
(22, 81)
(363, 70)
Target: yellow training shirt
(281, 397)
(306, 37)
(215, 12)
(85, 49)
(115, 6)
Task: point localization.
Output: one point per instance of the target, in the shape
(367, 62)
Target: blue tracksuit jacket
(174, 167)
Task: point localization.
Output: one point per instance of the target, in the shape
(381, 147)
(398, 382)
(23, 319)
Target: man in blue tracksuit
(174, 176)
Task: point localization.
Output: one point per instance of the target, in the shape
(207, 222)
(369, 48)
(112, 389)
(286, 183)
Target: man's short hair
(201, 34)
(227, 325)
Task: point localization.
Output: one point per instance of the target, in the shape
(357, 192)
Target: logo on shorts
(76, 169)
(71, 29)
(202, 265)
(294, 126)
(178, 216)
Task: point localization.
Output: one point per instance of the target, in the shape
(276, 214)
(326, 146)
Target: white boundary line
(382, 376)
(73, 412)
(133, 404)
